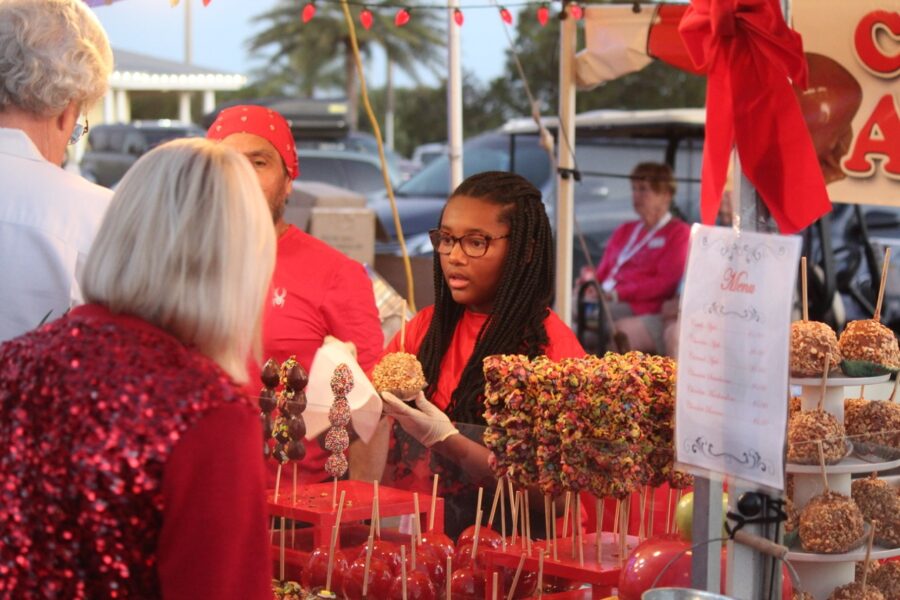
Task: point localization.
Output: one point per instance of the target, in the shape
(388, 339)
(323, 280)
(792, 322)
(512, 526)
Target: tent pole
(454, 98)
(565, 191)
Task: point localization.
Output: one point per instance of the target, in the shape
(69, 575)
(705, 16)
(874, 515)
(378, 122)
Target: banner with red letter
(852, 104)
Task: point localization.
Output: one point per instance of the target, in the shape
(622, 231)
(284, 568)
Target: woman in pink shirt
(644, 259)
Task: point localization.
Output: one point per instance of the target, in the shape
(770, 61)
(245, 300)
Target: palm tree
(318, 54)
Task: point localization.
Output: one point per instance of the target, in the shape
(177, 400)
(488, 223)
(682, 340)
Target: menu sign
(731, 408)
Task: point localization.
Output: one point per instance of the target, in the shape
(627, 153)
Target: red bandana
(261, 121)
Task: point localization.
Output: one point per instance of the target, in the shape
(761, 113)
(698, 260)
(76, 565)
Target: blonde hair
(51, 53)
(188, 245)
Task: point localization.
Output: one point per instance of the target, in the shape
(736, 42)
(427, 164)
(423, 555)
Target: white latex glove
(429, 425)
(351, 347)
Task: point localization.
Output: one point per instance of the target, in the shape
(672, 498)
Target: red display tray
(315, 505)
(602, 575)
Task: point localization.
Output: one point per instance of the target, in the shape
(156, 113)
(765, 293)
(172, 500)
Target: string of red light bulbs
(403, 16)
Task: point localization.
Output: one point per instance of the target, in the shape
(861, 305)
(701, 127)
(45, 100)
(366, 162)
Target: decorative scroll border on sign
(737, 250)
(748, 314)
(750, 459)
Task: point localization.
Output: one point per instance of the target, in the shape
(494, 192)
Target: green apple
(684, 516)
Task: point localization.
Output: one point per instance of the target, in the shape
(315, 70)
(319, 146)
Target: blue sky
(220, 32)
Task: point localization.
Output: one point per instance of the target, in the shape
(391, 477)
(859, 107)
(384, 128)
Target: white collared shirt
(48, 220)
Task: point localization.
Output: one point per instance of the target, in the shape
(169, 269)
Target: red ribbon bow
(751, 56)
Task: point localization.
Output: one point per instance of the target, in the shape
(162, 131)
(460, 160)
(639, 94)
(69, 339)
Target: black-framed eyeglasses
(474, 245)
(79, 131)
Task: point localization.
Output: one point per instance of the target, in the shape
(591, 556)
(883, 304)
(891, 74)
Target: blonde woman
(131, 463)
(55, 61)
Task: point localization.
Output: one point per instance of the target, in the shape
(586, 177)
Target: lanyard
(633, 246)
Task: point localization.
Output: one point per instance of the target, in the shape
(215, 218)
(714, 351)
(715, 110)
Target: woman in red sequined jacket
(131, 463)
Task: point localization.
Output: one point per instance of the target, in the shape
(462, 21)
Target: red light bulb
(576, 11)
(458, 16)
(401, 18)
(543, 14)
(365, 17)
(506, 16)
(205, 2)
(309, 11)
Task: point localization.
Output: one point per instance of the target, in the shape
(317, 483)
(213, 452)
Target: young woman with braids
(493, 279)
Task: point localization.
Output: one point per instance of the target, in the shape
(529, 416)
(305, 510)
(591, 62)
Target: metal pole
(565, 204)
(389, 105)
(454, 98)
(188, 43)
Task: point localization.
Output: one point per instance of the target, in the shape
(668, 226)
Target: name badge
(656, 243)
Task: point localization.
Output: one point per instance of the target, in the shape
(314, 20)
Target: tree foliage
(308, 57)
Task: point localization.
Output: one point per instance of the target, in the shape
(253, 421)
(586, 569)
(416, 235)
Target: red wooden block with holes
(315, 505)
(602, 575)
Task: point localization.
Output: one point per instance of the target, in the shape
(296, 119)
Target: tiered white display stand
(821, 573)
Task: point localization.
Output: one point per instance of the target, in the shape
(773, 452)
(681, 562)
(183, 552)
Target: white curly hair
(51, 53)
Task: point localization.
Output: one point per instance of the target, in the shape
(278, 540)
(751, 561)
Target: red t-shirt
(562, 343)
(317, 291)
(651, 276)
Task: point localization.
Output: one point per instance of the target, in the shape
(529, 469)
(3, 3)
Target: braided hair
(524, 292)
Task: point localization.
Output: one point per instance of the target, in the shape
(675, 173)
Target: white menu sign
(731, 407)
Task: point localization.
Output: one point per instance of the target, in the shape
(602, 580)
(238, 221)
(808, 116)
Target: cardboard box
(336, 216)
(350, 230)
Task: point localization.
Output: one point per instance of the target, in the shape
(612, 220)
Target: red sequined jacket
(131, 466)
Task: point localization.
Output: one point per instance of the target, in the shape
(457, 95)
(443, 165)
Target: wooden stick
(403, 328)
(497, 491)
(868, 556)
(368, 565)
(340, 509)
(417, 525)
(412, 551)
(434, 488)
(478, 516)
(824, 384)
(514, 513)
(804, 295)
(616, 520)
(277, 482)
(495, 586)
(546, 516)
(568, 502)
(377, 512)
(449, 593)
(503, 515)
(553, 525)
(574, 533)
(334, 495)
(580, 530)
(334, 531)
(527, 524)
(515, 581)
(598, 508)
(884, 274)
(281, 552)
(403, 571)
(822, 466)
(540, 581)
(652, 510)
(334, 539)
(642, 509)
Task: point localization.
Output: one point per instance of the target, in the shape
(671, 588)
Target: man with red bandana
(316, 290)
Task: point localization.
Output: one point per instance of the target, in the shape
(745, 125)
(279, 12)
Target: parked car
(113, 148)
(424, 154)
(357, 171)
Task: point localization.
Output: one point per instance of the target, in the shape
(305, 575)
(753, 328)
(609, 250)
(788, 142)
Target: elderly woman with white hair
(54, 64)
(132, 463)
